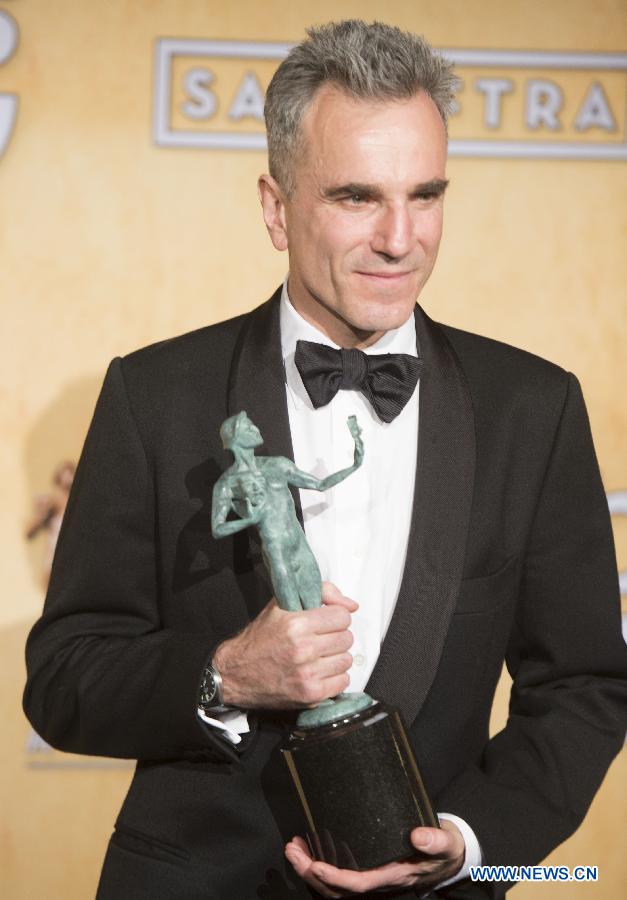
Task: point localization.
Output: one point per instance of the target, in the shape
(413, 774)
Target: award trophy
(349, 756)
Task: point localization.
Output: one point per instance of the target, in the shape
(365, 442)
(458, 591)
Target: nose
(394, 232)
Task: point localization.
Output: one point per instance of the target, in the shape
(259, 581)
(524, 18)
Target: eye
(428, 196)
(356, 199)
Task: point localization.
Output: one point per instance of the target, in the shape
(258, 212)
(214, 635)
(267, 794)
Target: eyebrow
(435, 186)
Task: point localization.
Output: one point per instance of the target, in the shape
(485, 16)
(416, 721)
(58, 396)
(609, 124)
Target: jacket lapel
(437, 541)
(257, 380)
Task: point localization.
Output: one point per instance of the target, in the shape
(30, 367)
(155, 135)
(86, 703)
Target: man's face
(364, 221)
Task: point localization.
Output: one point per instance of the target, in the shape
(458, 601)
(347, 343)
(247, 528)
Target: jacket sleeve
(104, 676)
(568, 661)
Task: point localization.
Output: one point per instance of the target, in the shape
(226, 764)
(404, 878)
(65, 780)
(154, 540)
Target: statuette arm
(304, 480)
(222, 505)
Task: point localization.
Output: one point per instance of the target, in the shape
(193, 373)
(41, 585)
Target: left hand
(440, 855)
(253, 511)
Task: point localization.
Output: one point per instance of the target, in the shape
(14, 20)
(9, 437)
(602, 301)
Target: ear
(273, 207)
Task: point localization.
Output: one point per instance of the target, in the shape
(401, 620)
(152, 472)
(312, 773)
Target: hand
(253, 511)
(355, 430)
(284, 660)
(440, 855)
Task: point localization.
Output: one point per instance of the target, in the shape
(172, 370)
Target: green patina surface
(257, 490)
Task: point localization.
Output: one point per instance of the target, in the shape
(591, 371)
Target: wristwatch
(210, 697)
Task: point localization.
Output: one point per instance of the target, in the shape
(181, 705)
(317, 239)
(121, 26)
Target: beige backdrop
(109, 242)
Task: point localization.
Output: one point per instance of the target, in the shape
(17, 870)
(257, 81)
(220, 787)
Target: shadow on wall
(57, 435)
(58, 808)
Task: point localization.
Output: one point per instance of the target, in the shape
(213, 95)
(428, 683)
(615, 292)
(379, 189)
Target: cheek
(335, 239)
(429, 230)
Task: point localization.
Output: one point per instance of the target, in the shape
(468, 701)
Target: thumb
(438, 841)
(332, 596)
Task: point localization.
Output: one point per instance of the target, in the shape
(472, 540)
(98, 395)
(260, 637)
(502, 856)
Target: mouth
(393, 277)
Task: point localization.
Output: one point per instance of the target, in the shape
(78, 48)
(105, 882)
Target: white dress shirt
(359, 529)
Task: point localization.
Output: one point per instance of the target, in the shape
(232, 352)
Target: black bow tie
(387, 379)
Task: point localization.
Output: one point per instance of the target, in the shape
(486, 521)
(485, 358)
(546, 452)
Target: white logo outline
(9, 103)
(164, 135)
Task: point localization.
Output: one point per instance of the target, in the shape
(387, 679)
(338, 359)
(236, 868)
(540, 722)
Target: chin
(382, 318)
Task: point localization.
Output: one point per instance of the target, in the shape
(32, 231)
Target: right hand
(284, 660)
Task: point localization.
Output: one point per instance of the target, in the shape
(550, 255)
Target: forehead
(345, 135)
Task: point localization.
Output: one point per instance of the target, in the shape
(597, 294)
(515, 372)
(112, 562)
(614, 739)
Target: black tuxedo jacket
(510, 557)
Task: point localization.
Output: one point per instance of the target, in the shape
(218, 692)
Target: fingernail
(423, 840)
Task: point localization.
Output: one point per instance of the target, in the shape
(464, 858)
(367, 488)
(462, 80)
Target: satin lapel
(437, 541)
(257, 383)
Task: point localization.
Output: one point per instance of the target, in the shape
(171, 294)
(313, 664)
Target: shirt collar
(295, 328)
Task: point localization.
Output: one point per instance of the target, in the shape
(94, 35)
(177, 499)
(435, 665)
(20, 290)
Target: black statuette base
(360, 788)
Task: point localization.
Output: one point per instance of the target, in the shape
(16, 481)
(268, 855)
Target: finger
(329, 666)
(302, 845)
(309, 622)
(355, 882)
(440, 842)
(319, 689)
(332, 644)
(403, 874)
(331, 595)
(394, 875)
(325, 619)
(334, 685)
(297, 854)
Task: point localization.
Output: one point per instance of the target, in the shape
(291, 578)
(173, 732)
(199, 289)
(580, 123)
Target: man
(480, 532)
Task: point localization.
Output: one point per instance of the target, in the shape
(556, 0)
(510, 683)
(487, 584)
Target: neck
(329, 322)
(244, 457)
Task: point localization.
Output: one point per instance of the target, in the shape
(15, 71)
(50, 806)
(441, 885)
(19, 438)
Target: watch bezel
(210, 695)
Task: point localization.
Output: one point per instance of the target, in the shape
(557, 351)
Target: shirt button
(359, 659)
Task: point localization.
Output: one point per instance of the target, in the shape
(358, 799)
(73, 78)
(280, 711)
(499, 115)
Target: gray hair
(376, 62)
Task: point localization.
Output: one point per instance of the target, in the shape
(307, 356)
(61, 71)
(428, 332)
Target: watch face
(209, 688)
